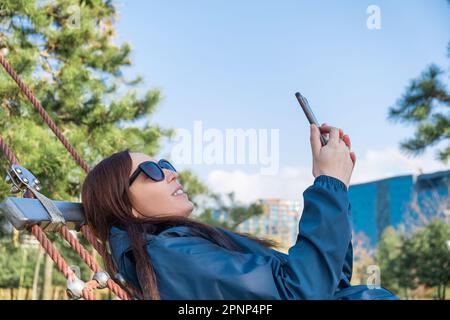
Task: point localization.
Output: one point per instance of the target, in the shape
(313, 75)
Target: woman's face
(150, 198)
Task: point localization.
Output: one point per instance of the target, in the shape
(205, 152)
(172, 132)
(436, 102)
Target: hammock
(38, 214)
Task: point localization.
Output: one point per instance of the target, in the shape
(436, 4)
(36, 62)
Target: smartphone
(310, 115)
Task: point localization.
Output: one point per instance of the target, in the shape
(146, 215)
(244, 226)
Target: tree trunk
(22, 273)
(442, 292)
(438, 295)
(37, 268)
(48, 272)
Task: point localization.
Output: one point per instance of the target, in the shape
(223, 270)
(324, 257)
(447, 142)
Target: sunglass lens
(167, 165)
(153, 171)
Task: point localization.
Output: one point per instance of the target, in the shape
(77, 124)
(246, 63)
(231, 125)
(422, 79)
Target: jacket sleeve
(347, 269)
(195, 268)
(348, 264)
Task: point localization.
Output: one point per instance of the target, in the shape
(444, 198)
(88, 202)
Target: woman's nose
(170, 175)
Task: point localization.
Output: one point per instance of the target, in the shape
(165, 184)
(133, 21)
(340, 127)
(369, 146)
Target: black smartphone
(310, 115)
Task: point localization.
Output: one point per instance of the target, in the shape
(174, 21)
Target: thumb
(315, 140)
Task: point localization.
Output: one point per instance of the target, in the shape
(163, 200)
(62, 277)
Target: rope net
(37, 231)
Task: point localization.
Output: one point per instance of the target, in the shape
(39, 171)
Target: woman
(137, 207)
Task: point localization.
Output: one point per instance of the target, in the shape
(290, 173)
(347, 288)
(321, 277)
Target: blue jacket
(317, 266)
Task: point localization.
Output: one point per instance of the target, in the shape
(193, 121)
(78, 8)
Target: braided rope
(90, 261)
(111, 283)
(8, 153)
(83, 164)
(79, 249)
(52, 251)
(88, 289)
(35, 102)
(87, 293)
(40, 235)
(89, 236)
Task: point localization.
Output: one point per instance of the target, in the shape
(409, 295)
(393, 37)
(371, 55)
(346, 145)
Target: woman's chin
(190, 208)
(183, 206)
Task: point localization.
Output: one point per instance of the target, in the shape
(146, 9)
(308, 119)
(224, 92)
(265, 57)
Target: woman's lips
(178, 192)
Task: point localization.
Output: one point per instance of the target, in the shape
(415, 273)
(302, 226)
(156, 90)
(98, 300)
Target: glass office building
(375, 206)
(398, 200)
(279, 220)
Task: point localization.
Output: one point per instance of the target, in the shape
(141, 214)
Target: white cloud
(388, 162)
(290, 182)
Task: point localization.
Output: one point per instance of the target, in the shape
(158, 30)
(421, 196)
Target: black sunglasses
(153, 170)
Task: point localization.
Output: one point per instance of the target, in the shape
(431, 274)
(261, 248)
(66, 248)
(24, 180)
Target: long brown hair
(106, 201)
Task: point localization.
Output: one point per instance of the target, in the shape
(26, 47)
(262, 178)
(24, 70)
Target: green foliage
(425, 104)
(16, 261)
(65, 51)
(193, 186)
(431, 256)
(422, 258)
(72, 259)
(237, 212)
(394, 259)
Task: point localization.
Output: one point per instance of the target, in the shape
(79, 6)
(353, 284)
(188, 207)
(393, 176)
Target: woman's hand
(335, 158)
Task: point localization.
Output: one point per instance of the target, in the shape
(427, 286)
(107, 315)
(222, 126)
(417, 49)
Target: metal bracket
(75, 288)
(102, 278)
(22, 180)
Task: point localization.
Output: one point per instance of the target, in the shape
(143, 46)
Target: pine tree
(65, 51)
(430, 256)
(426, 104)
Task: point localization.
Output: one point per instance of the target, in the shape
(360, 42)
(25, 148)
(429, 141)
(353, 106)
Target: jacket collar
(120, 242)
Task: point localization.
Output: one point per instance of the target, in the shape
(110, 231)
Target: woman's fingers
(325, 129)
(315, 140)
(353, 157)
(334, 136)
(347, 141)
(333, 133)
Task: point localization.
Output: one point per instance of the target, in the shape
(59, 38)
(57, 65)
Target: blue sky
(237, 64)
